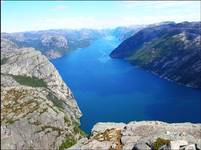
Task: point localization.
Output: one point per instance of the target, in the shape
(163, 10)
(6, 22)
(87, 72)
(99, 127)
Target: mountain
(122, 33)
(53, 43)
(171, 50)
(38, 110)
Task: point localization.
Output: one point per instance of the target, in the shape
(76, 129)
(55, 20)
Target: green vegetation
(66, 120)
(31, 147)
(155, 49)
(10, 121)
(78, 130)
(44, 127)
(149, 52)
(160, 142)
(57, 102)
(51, 127)
(68, 142)
(141, 57)
(29, 81)
(4, 60)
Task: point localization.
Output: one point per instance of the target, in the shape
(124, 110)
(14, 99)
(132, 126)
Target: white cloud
(98, 23)
(69, 22)
(159, 4)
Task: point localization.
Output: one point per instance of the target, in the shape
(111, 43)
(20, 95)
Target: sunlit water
(112, 90)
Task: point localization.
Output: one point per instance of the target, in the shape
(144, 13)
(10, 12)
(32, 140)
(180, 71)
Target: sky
(17, 16)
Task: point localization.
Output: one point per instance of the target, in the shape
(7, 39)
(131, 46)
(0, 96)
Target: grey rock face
(140, 135)
(141, 146)
(38, 110)
(54, 41)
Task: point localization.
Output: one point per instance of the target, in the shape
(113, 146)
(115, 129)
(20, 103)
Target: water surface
(113, 90)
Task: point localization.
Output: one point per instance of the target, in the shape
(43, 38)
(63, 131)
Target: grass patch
(51, 127)
(4, 60)
(160, 142)
(29, 81)
(68, 142)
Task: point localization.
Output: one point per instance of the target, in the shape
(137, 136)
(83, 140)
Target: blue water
(113, 90)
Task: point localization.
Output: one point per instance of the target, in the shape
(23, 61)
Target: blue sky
(40, 15)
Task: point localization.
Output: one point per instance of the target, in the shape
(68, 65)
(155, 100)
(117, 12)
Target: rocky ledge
(149, 135)
(38, 110)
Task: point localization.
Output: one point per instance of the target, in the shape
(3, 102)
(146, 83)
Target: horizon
(56, 15)
(106, 28)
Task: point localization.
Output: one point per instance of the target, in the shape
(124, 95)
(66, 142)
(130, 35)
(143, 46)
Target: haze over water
(112, 90)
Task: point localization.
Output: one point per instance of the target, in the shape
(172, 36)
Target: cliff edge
(38, 110)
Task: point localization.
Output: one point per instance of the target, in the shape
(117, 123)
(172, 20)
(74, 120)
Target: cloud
(78, 22)
(158, 4)
(68, 22)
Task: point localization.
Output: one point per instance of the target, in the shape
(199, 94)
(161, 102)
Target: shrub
(4, 60)
(29, 81)
(57, 102)
(68, 142)
(160, 142)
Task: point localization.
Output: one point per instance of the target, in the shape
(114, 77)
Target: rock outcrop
(170, 50)
(144, 135)
(38, 110)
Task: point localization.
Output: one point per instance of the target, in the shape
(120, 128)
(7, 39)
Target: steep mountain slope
(53, 43)
(169, 50)
(122, 33)
(38, 110)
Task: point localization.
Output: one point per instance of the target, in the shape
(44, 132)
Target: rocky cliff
(53, 43)
(38, 110)
(144, 135)
(170, 50)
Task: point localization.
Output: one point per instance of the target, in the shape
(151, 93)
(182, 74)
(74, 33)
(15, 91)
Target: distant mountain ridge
(171, 50)
(53, 43)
